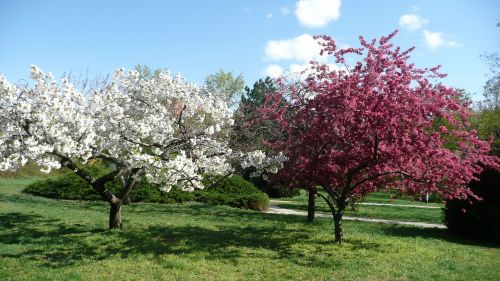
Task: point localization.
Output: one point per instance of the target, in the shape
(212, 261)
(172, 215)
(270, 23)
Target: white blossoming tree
(164, 129)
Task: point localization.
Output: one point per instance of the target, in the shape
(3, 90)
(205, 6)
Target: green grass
(30, 170)
(379, 212)
(370, 211)
(391, 198)
(17, 182)
(45, 239)
(375, 197)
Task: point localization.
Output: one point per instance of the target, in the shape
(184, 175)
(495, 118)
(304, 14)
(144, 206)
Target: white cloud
(273, 71)
(435, 40)
(285, 10)
(268, 16)
(412, 21)
(297, 68)
(306, 68)
(295, 71)
(298, 71)
(453, 44)
(317, 13)
(301, 48)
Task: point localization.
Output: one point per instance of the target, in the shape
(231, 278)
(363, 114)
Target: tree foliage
(371, 125)
(492, 87)
(146, 73)
(255, 96)
(488, 120)
(226, 85)
(247, 137)
(165, 129)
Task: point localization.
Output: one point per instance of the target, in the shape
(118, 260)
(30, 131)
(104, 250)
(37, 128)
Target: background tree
(244, 137)
(255, 96)
(492, 87)
(249, 133)
(488, 120)
(146, 73)
(226, 85)
(488, 126)
(165, 129)
(249, 138)
(474, 218)
(371, 126)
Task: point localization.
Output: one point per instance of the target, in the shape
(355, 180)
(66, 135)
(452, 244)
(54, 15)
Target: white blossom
(262, 163)
(170, 129)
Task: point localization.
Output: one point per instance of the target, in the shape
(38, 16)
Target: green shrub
(65, 186)
(228, 185)
(478, 220)
(257, 201)
(254, 201)
(232, 191)
(151, 193)
(271, 189)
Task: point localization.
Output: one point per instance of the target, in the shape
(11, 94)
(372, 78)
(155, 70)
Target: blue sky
(252, 37)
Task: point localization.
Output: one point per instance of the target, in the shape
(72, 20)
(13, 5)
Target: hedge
(477, 220)
(232, 191)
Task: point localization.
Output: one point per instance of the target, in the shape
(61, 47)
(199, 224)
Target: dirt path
(277, 210)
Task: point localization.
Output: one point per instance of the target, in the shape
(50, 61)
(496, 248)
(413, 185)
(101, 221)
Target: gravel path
(277, 210)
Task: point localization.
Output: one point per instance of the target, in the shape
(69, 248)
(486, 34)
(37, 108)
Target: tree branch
(132, 181)
(98, 184)
(332, 207)
(404, 174)
(359, 168)
(218, 181)
(119, 163)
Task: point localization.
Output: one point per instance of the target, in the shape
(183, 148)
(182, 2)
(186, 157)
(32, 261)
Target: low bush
(151, 193)
(228, 185)
(272, 190)
(478, 220)
(232, 191)
(65, 186)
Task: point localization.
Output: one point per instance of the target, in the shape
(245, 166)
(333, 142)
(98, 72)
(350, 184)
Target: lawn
(389, 197)
(434, 215)
(45, 239)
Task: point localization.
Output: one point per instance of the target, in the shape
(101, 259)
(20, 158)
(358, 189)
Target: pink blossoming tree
(373, 125)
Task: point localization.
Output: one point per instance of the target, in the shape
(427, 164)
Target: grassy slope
(29, 171)
(45, 239)
(383, 212)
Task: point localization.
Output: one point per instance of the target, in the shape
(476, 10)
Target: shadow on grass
(55, 244)
(189, 208)
(433, 233)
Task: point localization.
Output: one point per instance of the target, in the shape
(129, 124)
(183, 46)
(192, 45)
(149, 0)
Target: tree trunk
(311, 206)
(127, 201)
(115, 216)
(337, 221)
